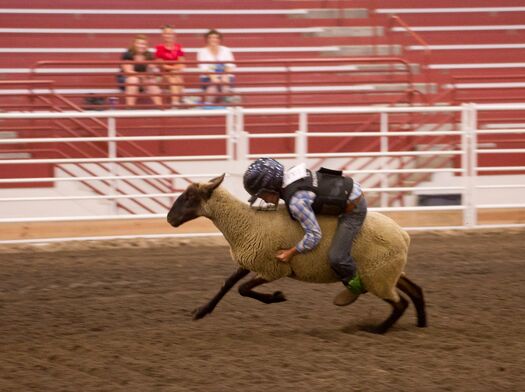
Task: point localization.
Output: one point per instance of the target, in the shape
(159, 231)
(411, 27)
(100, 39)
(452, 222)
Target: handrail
(81, 152)
(237, 62)
(437, 137)
(122, 152)
(346, 142)
(417, 37)
(70, 104)
(376, 143)
(128, 166)
(61, 153)
(467, 168)
(276, 67)
(289, 67)
(427, 51)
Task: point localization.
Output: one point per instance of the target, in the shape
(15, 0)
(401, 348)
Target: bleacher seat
(475, 52)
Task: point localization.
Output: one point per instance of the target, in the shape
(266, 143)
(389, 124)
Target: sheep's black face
(186, 207)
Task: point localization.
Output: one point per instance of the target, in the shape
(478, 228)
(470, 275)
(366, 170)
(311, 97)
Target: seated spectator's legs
(176, 88)
(210, 88)
(214, 84)
(132, 89)
(226, 82)
(153, 90)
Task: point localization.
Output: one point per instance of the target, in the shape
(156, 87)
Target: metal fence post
(384, 149)
(301, 138)
(231, 133)
(113, 166)
(243, 142)
(468, 162)
(473, 163)
(243, 149)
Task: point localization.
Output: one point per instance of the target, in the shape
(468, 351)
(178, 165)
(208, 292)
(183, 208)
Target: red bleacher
(30, 41)
(454, 75)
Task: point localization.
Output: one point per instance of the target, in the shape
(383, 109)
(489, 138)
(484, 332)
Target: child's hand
(285, 255)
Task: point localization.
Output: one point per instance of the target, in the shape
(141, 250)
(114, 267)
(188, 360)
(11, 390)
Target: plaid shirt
(301, 208)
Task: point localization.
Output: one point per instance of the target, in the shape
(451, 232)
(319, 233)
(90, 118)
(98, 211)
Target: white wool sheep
(380, 249)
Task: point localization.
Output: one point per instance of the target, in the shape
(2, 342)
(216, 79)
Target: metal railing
(396, 20)
(258, 83)
(239, 148)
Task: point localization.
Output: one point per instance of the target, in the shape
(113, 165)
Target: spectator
(172, 52)
(217, 59)
(138, 77)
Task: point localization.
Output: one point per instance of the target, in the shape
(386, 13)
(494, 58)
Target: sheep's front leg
(246, 291)
(202, 311)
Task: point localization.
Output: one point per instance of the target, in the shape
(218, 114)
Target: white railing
(237, 153)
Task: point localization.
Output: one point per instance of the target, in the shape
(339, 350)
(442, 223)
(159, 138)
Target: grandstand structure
(290, 54)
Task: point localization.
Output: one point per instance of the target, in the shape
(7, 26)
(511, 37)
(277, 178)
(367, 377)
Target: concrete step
(441, 161)
(346, 13)
(367, 50)
(426, 88)
(415, 68)
(360, 31)
(8, 135)
(429, 127)
(137, 186)
(15, 155)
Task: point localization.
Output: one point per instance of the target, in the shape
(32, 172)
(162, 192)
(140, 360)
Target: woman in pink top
(172, 53)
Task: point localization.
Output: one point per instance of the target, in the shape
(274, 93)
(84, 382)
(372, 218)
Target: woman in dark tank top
(139, 77)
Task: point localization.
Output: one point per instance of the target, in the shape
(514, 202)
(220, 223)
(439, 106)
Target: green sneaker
(356, 285)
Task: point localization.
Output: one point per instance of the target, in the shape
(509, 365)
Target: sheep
(380, 250)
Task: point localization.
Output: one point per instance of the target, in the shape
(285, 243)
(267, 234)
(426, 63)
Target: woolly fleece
(380, 249)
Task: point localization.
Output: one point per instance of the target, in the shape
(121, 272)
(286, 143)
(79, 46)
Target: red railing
(284, 82)
(406, 144)
(289, 75)
(136, 168)
(131, 167)
(396, 20)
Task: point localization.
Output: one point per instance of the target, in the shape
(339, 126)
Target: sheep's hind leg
(416, 295)
(398, 310)
(246, 291)
(202, 311)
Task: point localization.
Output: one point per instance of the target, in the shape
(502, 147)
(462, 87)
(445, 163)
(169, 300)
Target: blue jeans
(340, 256)
(205, 80)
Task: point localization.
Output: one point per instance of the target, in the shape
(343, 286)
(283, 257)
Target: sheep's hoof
(379, 330)
(278, 296)
(375, 329)
(200, 312)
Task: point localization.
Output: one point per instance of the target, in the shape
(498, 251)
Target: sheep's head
(188, 205)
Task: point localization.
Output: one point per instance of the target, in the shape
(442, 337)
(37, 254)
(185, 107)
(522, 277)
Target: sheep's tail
(406, 237)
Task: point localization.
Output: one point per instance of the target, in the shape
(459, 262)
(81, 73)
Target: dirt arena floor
(116, 316)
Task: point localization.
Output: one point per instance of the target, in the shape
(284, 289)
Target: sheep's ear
(212, 185)
(215, 182)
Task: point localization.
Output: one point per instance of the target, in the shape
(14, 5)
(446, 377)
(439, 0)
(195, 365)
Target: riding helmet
(265, 174)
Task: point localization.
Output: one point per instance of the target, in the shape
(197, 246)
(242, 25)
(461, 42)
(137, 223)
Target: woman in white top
(217, 61)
